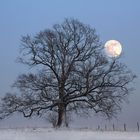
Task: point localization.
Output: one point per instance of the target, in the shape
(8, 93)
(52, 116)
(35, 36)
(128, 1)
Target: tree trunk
(66, 118)
(60, 115)
(61, 106)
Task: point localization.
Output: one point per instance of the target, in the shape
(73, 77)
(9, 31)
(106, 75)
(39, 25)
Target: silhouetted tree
(73, 74)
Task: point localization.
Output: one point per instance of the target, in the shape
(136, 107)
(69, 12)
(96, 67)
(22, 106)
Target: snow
(64, 134)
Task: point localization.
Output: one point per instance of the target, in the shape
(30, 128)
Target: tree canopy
(74, 74)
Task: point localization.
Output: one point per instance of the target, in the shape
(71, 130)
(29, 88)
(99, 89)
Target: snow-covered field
(65, 134)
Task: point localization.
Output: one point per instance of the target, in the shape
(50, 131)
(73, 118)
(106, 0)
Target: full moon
(113, 48)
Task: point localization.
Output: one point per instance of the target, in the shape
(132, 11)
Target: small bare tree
(52, 118)
(73, 74)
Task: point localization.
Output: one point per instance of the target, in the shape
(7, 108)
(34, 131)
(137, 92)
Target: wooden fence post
(105, 127)
(124, 127)
(113, 127)
(98, 127)
(138, 126)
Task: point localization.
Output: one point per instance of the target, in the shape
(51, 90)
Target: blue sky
(113, 19)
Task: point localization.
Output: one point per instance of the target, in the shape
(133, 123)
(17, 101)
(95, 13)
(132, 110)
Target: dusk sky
(112, 19)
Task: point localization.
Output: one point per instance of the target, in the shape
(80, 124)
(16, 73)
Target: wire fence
(124, 127)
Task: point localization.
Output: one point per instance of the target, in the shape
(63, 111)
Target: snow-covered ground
(65, 134)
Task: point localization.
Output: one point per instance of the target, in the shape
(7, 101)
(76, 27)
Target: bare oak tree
(73, 74)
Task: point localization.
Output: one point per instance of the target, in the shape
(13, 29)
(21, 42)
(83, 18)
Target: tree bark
(60, 115)
(66, 119)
